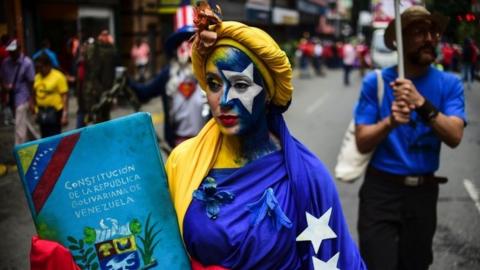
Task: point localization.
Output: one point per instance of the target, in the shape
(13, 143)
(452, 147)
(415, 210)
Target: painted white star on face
(246, 97)
(330, 265)
(317, 230)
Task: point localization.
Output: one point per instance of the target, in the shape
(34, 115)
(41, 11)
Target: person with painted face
(398, 198)
(247, 194)
(183, 101)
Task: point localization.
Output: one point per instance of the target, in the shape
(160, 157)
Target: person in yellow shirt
(51, 99)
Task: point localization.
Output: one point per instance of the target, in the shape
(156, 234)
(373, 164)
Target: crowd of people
(314, 54)
(35, 90)
(89, 80)
(183, 101)
(88, 71)
(245, 168)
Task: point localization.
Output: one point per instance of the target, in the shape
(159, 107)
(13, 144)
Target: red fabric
(307, 48)
(474, 53)
(4, 97)
(81, 71)
(447, 52)
(198, 266)
(3, 53)
(49, 255)
(187, 89)
(340, 50)
(327, 51)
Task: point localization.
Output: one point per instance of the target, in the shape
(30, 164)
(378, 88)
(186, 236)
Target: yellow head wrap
(191, 161)
(264, 52)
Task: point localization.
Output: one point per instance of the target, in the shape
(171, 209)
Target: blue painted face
(236, 92)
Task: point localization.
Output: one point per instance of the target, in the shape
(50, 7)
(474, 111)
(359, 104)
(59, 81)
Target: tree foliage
(456, 30)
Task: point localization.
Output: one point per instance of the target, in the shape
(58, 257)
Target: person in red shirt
(305, 52)
(447, 55)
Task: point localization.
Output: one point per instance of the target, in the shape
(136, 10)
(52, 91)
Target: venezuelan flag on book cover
(101, 191)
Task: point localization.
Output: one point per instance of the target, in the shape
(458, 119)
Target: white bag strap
(379, 87)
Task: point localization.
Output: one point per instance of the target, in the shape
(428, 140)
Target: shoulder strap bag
(351, 164)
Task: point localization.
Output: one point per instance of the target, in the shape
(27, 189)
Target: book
(101, 191)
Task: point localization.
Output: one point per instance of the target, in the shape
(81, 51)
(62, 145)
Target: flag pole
(399, 40)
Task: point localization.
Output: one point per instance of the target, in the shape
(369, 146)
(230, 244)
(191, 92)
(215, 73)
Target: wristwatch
(427, 111)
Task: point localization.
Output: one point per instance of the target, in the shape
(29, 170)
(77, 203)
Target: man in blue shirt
(397, 212)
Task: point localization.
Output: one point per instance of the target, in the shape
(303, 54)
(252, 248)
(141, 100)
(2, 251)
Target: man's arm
(64, 119)
(448, 128)
(30, 78)
(63, 91)
(156, 87)
(369, 136)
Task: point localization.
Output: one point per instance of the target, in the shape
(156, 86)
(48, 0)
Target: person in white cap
(17, 74)
(398, 198)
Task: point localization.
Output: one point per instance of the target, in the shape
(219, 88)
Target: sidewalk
(6, 144)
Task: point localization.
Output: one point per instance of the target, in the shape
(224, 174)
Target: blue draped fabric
(296, 182)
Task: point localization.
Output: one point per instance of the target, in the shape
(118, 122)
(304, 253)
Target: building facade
(152, 20)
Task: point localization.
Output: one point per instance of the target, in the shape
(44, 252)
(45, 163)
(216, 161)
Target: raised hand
(400, 113)
(404, 90)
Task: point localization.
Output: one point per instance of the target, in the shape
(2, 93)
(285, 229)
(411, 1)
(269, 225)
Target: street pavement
(319, 115)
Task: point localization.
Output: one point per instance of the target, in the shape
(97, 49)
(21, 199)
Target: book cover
(101, 191)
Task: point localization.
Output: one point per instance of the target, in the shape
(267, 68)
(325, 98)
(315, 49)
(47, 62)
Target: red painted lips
(228, 120)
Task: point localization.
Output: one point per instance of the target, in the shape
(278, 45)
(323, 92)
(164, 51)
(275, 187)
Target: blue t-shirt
(412, 148)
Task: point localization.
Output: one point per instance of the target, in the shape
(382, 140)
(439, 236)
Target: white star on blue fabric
(317, 230)
(36, 161)
(246, 98)
(330, 265)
